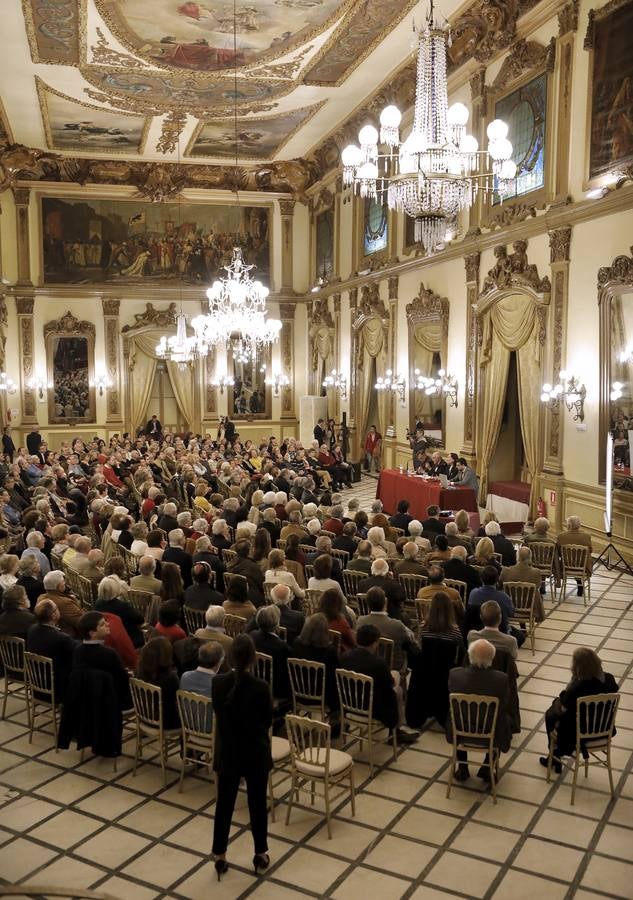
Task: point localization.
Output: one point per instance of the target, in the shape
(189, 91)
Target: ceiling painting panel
(53, 30)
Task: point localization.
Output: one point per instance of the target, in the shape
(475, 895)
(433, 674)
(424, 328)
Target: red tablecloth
(393, 487)
(518, 491)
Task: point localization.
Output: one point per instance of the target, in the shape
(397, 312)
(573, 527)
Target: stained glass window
(375, 228)
(525, 111)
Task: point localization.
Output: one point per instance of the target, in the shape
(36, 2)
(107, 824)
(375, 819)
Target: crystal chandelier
(237, 313)
(434, 174)
(180, 349)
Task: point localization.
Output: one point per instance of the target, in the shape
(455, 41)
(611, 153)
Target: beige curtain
(182, 383)
(143, 369)
(141, 375)
(529, 383)
(429, 336)
(372, 362)
(496, 380)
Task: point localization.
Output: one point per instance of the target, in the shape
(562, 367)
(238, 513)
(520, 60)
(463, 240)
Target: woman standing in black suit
(243, 710)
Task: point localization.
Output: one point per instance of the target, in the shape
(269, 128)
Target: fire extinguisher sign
(552, 498)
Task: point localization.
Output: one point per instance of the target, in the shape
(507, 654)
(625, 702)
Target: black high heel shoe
(221, 866)
(261, 861)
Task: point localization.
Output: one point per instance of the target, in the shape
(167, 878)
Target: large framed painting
(525, 112)
(70, 351)
(324, 242)
(250, 396)
(258, 138)
(94, 241)
(611, 99)
(375, 226)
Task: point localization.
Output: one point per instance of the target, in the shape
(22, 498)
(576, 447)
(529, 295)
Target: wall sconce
(38, 384)
(102, 383)
(277, 381)
(444, 385)
(570, 391)
(222, 381)
(395, 383)
(617, 389)
(7, 384)
(338, 381)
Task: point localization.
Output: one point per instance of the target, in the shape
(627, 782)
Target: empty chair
(523, 596)
(307, 686)
(40, 690)
(234, 625)
(314, 762)
(543, 555)
(196, 721)
(473, 725)
(356, 696)
(12, 659)
(148, 706)
(574, 565)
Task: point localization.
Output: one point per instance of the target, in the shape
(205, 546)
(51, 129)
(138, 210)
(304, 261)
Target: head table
(394, 486)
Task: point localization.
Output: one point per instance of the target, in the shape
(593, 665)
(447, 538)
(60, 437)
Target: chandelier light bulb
(508, 169)
(503, 149)
(497, 130)
(352, 155)
(457, 114)
(563, 374)
(390, 117)
(368, 136)
(469, 144)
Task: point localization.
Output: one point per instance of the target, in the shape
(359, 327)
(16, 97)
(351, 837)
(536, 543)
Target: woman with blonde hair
(462, 520)
(484, 554)
(277, 573)
(9, 564)
(380, 547)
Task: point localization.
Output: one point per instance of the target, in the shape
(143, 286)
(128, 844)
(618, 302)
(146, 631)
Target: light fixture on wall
(222, 381)
(38, 384)
(277, 380)
(338, 381)
(435, 173)
(7, 384)
(617, 390)
(569, 391)
(444, 385)
(397, 384)
(102, 383)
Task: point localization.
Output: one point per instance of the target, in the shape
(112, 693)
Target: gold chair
(228, 556)
(595, 723)
(474, 720)
(86, 592)
(307, 684)
(268, 586)
(385, 650)
(460, 586)
(573, 563)
(229, 577)
(281, 544)
(12, 659)
(141, 602)
(234, 625)
(335, 639)
(362, 605)
(279, 747)
(356, 695)
(331, 534)
(71, 577)
(341, 555)
(194, 619)
(40, 690)
(313, 598)
(147, 700)
(422, 607)
(543, 555)
(306, 548)
(523, 596)
(411, 584)
(351, 581)
(313, 761)
(198, 732)
(309, 571)
(498, 557)
(56, 561)
(131, 562)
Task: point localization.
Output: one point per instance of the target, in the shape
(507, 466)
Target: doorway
(163, 402)
(508, 462)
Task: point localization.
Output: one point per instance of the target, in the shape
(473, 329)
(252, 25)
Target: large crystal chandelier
(237, 315)
(435, 173)
(181, 348)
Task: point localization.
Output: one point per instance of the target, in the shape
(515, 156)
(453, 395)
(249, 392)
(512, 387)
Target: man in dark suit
(479, 678)
(177, 554)
(402, 517)
(247, 567)
(16, 617)
(267, 641)
(363, 559)
(290, 619)
(33, 441)
(167, 520)
(457, 569)
(200, 594)
(380, 577)
(319, 432)
(46, 639)
(93, 654)
(346, 540)
(363, 659)
(501, 544)
(432, 523)
(269, 522)
(153, 427)
(438, 465)
(229, 430)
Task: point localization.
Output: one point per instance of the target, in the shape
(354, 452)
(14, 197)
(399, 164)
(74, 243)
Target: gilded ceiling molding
(69, 324)
(524, 56)
(514, 271)
(18, 162)
(427, 305)
(104, 55)
(559, 244)
(173, 125)
(568, 18)
(158, 182)
(53, 31)
(510, 215)
(162, 318)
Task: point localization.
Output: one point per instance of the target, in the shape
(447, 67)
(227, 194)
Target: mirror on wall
(427, 321)
(249, 397)
(621, 386)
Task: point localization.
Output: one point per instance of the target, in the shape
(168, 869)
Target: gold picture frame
(70, 362)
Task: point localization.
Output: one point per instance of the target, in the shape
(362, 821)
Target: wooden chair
(194, 619)
(56, 561)
(460, 586)
(573, 563)
(306, 548)
(313, 761)
(356, 695)
(335, 639)
(362, 605)
(351, 581)
(233, 576)
(595, 723)
(228, 556)
(12, 659)
(385, 650)
(313, 598)
(198, 732)
(71, 577)
(523, 596)
(268, 586)
(411, 584)
(131, 562)
(40, 690)
(279, 747)
(543, 555)
(422, 607)
(140, 601)
(341, 555)
(86, 592)
(281, 544)
(148, 706)
(234, 625)
(307, 684)
(309, 571)
(331, 534)
(474, 720)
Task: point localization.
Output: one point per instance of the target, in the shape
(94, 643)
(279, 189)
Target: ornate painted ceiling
(146, 80)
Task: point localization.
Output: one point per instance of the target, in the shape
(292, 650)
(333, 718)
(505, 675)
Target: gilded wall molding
(568, 18)
(69, 325)
(393, 287)
(471, 263)
(524, 56)
(514, 271)
(24, 305)
(210, 390)
(427, 305)
(559, 244)
(172, 128)
(28, 403)
(112, 358)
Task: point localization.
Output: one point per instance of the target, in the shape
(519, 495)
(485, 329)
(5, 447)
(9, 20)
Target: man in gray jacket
(479, 678)
(490, 615)
(467, 477)
(394, 629)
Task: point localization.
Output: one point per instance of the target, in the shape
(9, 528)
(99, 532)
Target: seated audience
(69, 610)
(168, 618)
(200, 679)
(411, 563)
(490, 615)
(322, 580)
(237, 602)
(109, 600)
(489, 591)
(29, 578)
(525, 572)
(332, 605)
(402, 518)
(363, 559)
(485, 555)
(46, 639)
(266, 639)
(156, 666)
(501, 544)
(214, 629)
(200, 594)
(290, 619)
(16, 617)
(145, 580)
(381, 577)
(432, 522)
(441, 551)
(402, 637)
(457, 569)
(277, 573)
(575, 535)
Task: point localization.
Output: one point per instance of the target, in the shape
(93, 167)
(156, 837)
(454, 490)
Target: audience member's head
(376, 599)
(490, 614)
(481, 654)
(489, 576)
(380, 567)
(267, 619)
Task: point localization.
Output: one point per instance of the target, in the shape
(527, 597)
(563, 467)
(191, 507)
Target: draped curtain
(511, 325)
(142, 371)
(372, 363)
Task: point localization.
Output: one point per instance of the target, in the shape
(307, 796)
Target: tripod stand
(605, 558)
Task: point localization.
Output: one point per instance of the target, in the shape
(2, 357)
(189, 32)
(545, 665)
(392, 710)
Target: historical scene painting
(71, 378)
(92, 241)
(257, 138)
(199, 36)
(75, 126)
(611, 144)
(525, 111)
(375, 227)
(325, 244)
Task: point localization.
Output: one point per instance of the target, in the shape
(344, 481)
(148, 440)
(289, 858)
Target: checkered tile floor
(72, 824)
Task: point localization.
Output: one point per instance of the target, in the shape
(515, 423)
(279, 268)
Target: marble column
(287, 208)
(336, 412)
(111, 330)
(24, 307)
(471, 263)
